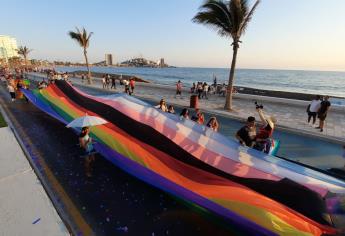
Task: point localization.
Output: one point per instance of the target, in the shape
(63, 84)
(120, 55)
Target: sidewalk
(25, 208)
(290, 114)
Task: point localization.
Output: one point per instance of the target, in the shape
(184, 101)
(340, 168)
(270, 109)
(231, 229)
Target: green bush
(2, 121)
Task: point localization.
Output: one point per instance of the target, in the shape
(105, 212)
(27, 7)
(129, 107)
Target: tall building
(8, 47)
(108, 59)
(161, 62)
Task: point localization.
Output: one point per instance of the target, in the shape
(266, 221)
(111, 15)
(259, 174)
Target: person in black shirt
(246, 135)
(322, 113)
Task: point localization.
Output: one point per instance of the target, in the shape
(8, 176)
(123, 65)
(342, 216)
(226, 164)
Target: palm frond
(81, 37)
(215, 15)
(23, 50)
(237, 15)
(249, 17)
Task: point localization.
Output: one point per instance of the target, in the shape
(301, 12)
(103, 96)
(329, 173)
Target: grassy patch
(2, 121)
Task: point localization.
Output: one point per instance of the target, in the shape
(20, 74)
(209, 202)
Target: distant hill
(142, 62)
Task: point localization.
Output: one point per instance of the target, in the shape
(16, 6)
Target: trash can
(194, 101)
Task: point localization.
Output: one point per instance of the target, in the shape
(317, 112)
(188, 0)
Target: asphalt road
(112, 202)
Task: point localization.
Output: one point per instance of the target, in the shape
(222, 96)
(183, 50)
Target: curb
(40, 177)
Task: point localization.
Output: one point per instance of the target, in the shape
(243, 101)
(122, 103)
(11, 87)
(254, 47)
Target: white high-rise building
(8, 47)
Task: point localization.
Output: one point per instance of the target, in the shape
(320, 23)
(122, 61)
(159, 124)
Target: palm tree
(24, 51)
(230, 19)
(83, 38)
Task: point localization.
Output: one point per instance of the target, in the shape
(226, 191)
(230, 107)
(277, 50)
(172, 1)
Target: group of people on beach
(106, 79)
(318, 108)
(128, 84)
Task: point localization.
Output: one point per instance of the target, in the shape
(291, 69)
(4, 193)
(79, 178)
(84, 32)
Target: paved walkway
(290, 114)
(25, 208)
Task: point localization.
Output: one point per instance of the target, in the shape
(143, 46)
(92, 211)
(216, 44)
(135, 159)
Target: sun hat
(271, 121)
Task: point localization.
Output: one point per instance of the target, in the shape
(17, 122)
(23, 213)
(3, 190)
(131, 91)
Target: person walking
(322, 113)
(126, 83)
(107, 81)
(113, 84)
(12, 92)
(132, 84)
(179, 89)
(313, 108)
(85, 142)
(199, 89)
(104, 81)
(214, 81)
(205, 90)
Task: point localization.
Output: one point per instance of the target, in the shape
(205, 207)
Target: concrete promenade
(290, 114)
(25, 208)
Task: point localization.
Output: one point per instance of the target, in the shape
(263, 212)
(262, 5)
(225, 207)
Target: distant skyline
(295, 34)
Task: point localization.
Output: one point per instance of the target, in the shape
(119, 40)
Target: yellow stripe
(262, 217)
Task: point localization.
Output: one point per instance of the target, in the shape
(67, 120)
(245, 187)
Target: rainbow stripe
(166, 154)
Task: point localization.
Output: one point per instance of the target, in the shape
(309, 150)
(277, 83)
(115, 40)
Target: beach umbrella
(86, 121)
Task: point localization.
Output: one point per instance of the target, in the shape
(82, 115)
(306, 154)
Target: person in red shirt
(132, 84)
(265, 132)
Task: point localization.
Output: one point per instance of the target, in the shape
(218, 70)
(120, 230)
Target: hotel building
(8, 47)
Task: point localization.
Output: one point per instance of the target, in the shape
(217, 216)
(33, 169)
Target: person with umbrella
(85, 140)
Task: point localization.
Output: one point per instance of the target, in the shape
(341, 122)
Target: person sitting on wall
(162, 105)
(246, 135)
(171, 109)
(198, 117)
(213, 124)
(184, 114)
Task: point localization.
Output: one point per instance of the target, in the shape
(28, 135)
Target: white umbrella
(86, 120)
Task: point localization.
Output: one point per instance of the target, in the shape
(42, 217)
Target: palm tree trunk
(228, 100)
(25, 63)
(88, 68)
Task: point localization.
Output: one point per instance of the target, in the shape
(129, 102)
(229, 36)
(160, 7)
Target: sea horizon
(330, 83)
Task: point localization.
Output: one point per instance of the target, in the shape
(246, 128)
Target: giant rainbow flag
(260, 194)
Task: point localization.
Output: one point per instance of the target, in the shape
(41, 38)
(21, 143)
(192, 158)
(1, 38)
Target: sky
(283, 34)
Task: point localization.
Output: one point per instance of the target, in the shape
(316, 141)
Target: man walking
(113, 85)
(322, 114)
(179, 88)
(314, 108)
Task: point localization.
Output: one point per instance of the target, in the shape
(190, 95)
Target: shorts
(322, 116)
(88, 150)
(178, 92)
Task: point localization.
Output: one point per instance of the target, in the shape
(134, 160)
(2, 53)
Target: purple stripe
(42, 105)
(160, 182)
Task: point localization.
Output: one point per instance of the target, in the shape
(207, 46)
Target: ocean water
(311, 82)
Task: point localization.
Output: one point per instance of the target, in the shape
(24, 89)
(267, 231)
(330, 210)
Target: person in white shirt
(12, 91)
(314, 108)
(204, 90)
